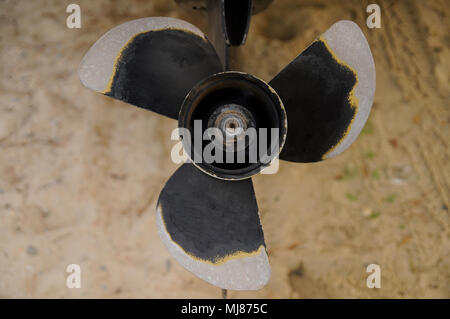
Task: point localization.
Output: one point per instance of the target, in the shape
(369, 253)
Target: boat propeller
(312, 110)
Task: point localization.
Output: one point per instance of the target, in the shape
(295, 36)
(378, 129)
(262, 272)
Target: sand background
(80, 173)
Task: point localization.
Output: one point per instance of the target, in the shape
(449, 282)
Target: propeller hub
(237, 125)
(232, 120)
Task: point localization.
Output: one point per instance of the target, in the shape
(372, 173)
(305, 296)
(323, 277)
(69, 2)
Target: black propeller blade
(328, 92)
(151, 63)
(212, 228)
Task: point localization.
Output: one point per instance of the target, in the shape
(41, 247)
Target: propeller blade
(212, 228)
(228, 24)
(151, 63)
(328, 92)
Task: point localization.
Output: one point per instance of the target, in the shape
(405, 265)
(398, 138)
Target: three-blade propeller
(212, 226)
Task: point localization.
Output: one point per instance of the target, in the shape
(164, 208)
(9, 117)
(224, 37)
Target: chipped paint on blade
(245, 271)
(352, 100)
(96, 69)
(347, 43)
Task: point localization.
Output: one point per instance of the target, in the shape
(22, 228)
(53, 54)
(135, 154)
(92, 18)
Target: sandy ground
(80, 173)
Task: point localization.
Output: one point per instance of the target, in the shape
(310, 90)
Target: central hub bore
(232, 120)
(241, 117)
